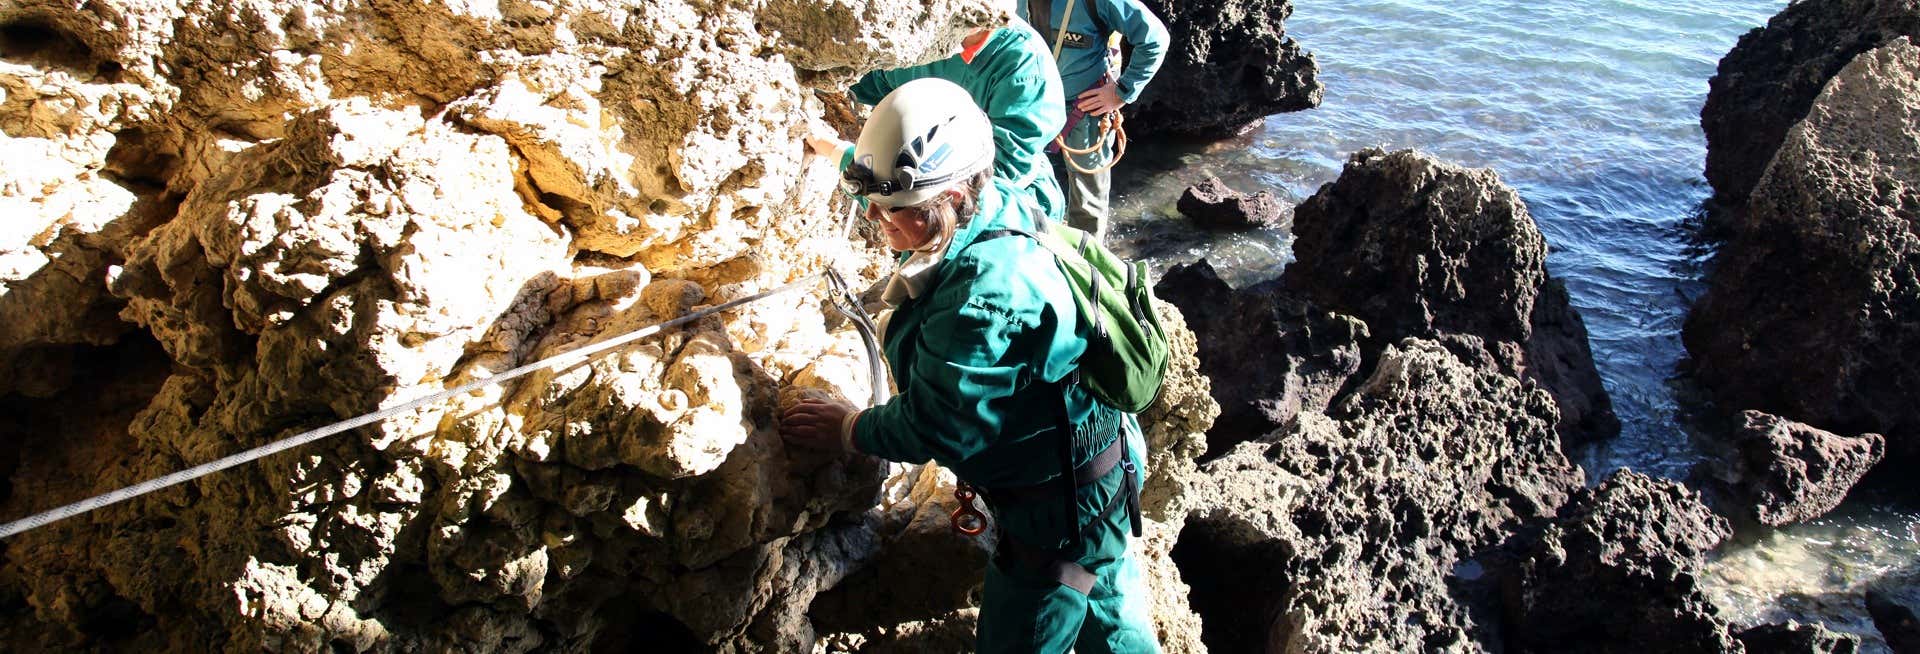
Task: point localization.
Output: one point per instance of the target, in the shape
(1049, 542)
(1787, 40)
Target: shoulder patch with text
(1077, 40)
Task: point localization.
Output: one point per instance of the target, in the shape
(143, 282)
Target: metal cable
(48, 517)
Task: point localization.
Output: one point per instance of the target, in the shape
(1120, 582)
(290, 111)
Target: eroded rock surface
(1769, 81)
(1230, 63)
(1782, 472)
(1211, 204)
(1346, 533)
(1418, 248)
(1796, 638)
(1305, 356)
(1615, 572)
(1894, 603)
(1811, 309)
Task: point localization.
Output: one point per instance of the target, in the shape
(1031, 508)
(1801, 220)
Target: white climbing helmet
(923, 138)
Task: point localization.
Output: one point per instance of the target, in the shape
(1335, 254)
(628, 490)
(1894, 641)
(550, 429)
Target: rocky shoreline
(236, 227)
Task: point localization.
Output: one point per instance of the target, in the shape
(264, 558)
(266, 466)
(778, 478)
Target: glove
(820, 424)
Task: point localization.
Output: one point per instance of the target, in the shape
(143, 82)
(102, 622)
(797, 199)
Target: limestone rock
(1306, 355)
(1345, 534)
(1211, 204)
(1769, 81)
(1176, 626)
(1810, 313)
(1229, 64)
(1177, 423)
(1418, 248)
(1783, 472)
(1616, 572)
(72, 196)
(927, 568)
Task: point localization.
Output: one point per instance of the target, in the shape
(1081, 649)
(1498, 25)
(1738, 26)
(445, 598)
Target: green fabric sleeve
(872, 87)
(945, 410)
(1149, 38)
(1024, 120)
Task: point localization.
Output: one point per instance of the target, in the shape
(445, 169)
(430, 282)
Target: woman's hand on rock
(825, 144)
(819, 424)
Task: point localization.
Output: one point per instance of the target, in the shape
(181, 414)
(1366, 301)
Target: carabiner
(840, 297)
(966, 519)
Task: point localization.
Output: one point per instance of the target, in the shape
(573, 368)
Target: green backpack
(1126, 357)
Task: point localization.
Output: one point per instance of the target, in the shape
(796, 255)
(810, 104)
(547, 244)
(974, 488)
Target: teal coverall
(972, 357)
(1084, 59)
(1013, 81)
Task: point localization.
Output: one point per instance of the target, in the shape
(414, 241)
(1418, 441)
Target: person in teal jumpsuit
(1087, 73)
(1009, 74)
(982, 343)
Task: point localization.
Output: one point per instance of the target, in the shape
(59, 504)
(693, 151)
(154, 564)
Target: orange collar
(968, 51)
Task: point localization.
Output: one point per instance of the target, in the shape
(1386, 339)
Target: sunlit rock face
(1359, 527)
(1401, 245)
(1773, 471)
(1768, 82)
(1813, 308)
(233, 221)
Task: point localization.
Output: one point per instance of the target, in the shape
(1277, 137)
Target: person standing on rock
(983, 343)
(1082, 34)
(1009, 74)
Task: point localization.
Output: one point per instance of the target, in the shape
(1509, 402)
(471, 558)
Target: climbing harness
(568, 358)
(1060, 564)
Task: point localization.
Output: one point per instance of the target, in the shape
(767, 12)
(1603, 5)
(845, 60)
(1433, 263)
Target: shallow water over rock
(1818, 571)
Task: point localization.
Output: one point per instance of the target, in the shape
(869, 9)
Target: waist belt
(1061, 565)
(1092, 471)
(1058, 564)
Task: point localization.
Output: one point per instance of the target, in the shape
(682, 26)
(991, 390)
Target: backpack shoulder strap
(1040, 15)
(992, 234)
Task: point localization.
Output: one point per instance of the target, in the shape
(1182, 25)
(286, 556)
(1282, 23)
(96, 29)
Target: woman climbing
(982, 343)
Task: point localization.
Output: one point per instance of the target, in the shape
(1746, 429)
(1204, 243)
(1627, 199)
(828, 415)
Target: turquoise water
(1591, 110)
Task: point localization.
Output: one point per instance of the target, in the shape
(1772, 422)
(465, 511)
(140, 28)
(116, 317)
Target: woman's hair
(944, 218)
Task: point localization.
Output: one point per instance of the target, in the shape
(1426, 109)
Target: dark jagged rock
(1418, 248)
(1769, 80)
(1813, 310)
(1782, 472)
(1304, 356)
(1211, 204)
(1355, 529)
(1229, 63)
(1796, 638)
(1894, 603)
(1616, 573)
